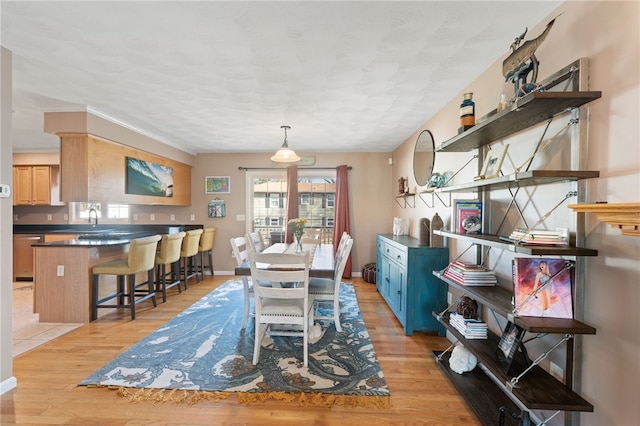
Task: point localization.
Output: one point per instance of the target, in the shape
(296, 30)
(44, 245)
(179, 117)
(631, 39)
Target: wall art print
(147, 178)
(217, 185)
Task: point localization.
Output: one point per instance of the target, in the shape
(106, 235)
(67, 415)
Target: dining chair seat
(141, 258)
(168, 255)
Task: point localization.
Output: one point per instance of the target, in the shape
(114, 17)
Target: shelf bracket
(408, 200)
(434, 195)
(439, 357)
(514, 381)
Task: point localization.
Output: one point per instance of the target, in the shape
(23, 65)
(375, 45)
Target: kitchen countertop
(118, 240)
(83, 229)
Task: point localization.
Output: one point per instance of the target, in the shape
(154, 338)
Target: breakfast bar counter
(62, 276)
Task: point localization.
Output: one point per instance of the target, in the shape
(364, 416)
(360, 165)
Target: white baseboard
(8, 385)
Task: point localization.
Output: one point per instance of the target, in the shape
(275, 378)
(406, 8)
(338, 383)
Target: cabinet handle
(386, 279)
(398, 257)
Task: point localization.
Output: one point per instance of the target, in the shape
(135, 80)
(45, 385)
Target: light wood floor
(47, 391)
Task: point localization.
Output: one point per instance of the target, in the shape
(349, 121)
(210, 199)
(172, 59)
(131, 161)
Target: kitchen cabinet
(529, 385)
(405, 281)
(31, 185)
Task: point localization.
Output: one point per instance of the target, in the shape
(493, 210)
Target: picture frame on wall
(217, 185)
(493, 162)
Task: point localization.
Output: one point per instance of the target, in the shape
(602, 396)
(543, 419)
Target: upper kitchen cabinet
(99, 170)
(35, 185)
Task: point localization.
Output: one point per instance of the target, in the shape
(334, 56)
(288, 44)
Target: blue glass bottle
(467, 112)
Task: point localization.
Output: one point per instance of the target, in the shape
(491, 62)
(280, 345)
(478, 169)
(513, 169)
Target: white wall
(7, 381)
(608, 34)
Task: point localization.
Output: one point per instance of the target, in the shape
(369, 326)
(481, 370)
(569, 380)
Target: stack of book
(470, 274)
(539, 236)
(470, 328)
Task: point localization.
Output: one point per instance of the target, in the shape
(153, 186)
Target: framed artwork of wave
(147, 178)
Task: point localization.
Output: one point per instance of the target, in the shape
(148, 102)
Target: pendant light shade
(285, 154)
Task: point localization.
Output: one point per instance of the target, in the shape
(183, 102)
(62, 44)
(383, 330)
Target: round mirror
(423, 158)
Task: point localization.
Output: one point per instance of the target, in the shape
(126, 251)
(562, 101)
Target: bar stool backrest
(142, 253)
(190, 243)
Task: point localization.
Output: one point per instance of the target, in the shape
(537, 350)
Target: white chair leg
(336, 314)
(260, 331)
(245, 318)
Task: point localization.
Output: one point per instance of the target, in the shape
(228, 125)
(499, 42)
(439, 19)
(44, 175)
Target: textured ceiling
(215, 76)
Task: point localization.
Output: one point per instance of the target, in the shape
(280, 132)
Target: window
(267, 200)
(331, 201)
(115, 213)
(274, 200)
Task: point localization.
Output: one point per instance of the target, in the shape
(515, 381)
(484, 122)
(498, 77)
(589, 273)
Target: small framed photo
(509, 344)
(217, 185)
(493, 162)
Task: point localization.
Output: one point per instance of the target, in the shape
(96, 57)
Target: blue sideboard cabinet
(405, 280)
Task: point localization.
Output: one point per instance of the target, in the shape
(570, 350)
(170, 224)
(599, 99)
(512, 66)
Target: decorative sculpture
(522, 61)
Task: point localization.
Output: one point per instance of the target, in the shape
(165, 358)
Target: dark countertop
(83, 229)
(123, 234)
(100, 240)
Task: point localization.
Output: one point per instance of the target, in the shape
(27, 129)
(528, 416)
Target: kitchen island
(62, 274)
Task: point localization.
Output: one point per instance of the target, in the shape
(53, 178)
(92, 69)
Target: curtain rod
(299, 168)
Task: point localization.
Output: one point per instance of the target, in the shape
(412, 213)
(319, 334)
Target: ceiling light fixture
(285, 154)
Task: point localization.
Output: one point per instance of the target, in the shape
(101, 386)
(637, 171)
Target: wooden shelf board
(537, 389)
(514, 180)
(538, 250)
(498, 299)
(527, 111)
(485, 404)
(622, 216)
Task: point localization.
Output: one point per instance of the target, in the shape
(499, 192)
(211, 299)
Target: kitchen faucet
(93, 213)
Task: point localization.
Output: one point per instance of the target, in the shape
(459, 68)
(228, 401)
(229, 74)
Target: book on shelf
(470, 274)
(470, 328)
(542, 287)
(467, 217)
(539, 236)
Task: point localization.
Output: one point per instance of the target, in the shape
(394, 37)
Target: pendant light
(285, 154)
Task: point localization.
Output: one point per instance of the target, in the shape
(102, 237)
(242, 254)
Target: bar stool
(141, 258)
(169, 254)
(206, 247)
(189, 255)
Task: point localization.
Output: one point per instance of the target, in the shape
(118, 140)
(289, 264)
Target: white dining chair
(290, 306)
(256, 240)
(241, 248)
(327, 289)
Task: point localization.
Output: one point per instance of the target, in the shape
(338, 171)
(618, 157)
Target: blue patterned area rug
(203, 354)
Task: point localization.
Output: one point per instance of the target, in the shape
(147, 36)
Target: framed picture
(147, 178)
(493, 162)
(509, 344)
(217, 185)
(542, 287)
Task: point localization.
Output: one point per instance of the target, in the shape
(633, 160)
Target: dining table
(321, 258)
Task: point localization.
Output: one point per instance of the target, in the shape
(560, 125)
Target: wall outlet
(65, 216)
(15, 217)
(49, 217)
(172, 217)
(193, 216)
(556, 371)
(60, 271)
(152, 216)
(135, 216)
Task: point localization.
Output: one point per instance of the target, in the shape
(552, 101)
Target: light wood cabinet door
(31, 185)
(41, 189)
